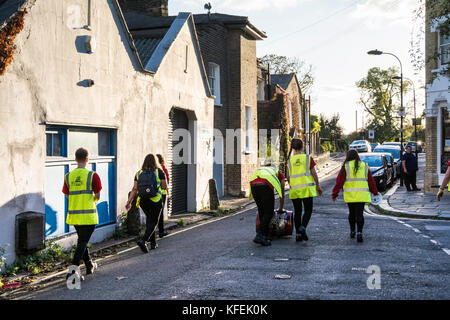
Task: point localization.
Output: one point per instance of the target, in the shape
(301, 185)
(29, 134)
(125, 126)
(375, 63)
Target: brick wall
(431, 174)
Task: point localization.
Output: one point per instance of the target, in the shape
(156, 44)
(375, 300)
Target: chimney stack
(154, 8)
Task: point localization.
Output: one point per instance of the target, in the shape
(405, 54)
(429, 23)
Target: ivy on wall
(7, 36)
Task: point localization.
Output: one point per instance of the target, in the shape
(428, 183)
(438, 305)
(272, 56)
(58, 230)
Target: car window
(394, 152)
(373, 161)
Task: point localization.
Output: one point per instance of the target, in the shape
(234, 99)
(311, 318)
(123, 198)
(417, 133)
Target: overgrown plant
(7, 36)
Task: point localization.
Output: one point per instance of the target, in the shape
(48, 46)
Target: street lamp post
(415, 116)
(379, 53)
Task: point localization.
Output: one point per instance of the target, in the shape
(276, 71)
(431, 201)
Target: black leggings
(82, 251)
(152, 211)
(161, 215)
(265, 201)
(298, 206)
(356, 215)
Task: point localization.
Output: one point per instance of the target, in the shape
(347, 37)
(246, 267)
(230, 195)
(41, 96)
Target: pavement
(400, 259)
(111, 247)
(399, 202)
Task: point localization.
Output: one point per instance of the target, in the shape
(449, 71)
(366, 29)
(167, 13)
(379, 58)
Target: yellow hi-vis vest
(300, 177)
(156, 198)
(356, 186)
(82, 209)
(271, 175)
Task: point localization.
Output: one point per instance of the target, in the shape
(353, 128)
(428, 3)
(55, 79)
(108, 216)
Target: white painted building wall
(40, 86)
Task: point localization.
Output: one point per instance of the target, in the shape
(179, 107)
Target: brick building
(437, 108)
(228, 48)
(279, 107)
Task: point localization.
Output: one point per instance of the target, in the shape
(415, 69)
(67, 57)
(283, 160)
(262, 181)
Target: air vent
(30, 230)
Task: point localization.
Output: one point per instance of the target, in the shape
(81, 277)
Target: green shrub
(181, 223)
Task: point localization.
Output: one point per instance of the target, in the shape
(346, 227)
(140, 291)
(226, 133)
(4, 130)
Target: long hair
(161, 159)
(151, 163)
(351, 155)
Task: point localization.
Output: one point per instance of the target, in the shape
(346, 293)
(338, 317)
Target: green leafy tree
(286, 65)
(380, 97)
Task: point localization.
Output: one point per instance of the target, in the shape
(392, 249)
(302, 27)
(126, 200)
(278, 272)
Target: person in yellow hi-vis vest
(262, 185)
(444, 184)
(358, 183)
(149, 183)
(82, 187)
(304, 186)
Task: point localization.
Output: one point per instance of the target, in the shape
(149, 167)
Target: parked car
(361, 146)
(374, 145)
(381, 169)
(395, 153)
(414, 146)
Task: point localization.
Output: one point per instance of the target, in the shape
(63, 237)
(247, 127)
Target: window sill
(248, 152)
(218, 105)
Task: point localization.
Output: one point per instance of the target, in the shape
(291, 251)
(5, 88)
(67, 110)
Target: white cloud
(379, 13)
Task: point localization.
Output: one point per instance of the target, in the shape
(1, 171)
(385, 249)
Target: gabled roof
(137, 21)
(8, 8)
(146, 47)
(283, 80)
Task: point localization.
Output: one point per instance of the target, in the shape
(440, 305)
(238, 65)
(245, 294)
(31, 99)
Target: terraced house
(228, 47)
(77, 78)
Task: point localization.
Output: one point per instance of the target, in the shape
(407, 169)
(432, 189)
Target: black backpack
(147, 184)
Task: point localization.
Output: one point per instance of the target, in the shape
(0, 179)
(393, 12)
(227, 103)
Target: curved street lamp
(377, 52)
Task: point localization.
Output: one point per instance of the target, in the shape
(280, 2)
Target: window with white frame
(444, 48)
(214, 81)
(248, 129)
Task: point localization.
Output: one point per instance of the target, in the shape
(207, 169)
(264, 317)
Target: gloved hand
(440, 194)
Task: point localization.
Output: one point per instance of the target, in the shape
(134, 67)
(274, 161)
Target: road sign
(371, 134)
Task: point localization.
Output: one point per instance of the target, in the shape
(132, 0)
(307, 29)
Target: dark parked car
(382, 169)
(414, 146)
(395, 153)
(374, 145)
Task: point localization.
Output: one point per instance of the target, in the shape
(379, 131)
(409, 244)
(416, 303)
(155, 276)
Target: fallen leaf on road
(121, 278)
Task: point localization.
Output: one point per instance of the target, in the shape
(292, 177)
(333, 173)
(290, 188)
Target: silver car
(361, 146)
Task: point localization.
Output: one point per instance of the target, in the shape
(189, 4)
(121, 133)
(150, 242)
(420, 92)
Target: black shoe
(153, 246)
(359, 237)
(298, 237)
(90, 267)
(143, 246)
(417, 190)
(163, 234)
(259, 239)
(352, 234)
(303, 233)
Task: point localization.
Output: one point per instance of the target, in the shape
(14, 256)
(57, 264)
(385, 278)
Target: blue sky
(333, 36)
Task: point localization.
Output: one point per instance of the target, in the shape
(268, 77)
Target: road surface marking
(407, 225)
(437, 228)
(426, 237)
(416, 230)
(434, 241)
(447, 251)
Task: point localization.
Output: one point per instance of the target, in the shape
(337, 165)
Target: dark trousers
(161, 215)
(152, 211)
(356, 215)
(82, 252)
(307, 203)
(410, 180)
(265, 201)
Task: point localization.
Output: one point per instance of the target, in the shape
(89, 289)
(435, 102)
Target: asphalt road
(219, 261)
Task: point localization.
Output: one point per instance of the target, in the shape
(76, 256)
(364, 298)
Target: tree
(428, 10)
(331, 128)
(380, 97)
(286, 65)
